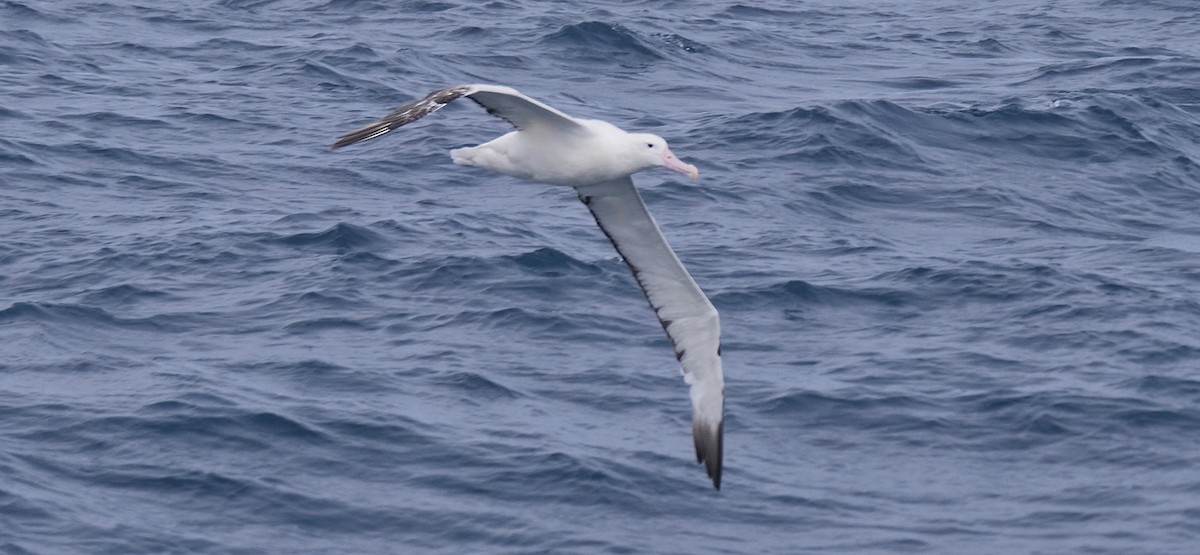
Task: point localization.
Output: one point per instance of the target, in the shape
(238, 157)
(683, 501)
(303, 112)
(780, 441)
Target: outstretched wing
(522, 112)
(686, 314)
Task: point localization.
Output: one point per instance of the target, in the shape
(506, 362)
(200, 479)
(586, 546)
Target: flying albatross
(597, 158)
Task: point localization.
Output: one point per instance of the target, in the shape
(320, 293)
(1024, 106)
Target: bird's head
(652, 151)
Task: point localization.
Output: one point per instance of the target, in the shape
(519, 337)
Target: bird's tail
(463, 156)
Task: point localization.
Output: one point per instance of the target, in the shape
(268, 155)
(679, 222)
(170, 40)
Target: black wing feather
(404, 115)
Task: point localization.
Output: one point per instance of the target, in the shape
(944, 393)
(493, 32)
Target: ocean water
(955, 247)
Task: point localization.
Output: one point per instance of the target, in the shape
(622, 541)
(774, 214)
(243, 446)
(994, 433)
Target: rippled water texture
(955, 247)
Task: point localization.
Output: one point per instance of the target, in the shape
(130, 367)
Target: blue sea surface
(955, 246)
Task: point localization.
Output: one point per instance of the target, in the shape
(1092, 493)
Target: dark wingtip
(710, 449)
(364, 134)
(404, 115)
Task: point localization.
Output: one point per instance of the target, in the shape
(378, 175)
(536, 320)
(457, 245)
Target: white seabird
(597, 158)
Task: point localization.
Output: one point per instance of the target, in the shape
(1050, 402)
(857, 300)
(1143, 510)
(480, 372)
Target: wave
(817, 136)
(800, 293)
(596, 41)
(83, 316)
(341, 238)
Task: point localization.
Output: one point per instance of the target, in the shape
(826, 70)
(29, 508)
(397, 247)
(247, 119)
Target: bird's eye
(649, 145)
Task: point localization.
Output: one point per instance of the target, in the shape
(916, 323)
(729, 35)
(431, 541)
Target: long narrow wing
(522, 112)
(688, 317)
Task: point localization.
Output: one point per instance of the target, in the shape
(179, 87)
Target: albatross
(597, 158)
